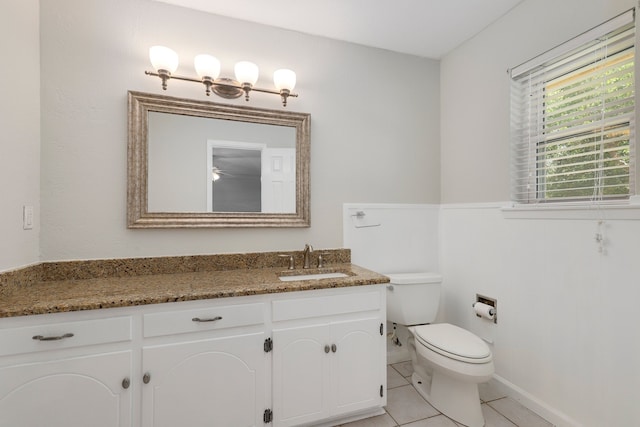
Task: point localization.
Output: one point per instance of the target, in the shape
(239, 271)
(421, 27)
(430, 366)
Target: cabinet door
(74, 392)
(219, 382)
(300, 374)
(357, 366)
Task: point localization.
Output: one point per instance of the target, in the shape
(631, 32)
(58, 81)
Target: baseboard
(553, 415)
(348, 419)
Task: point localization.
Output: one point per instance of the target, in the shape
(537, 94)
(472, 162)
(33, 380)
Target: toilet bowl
(448, 361)
(451, 363)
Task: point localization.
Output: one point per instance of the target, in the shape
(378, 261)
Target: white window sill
(620, 210)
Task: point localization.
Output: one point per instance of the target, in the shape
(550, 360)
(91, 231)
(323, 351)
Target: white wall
(366, 144)
(566, 342)
(392, 238)
(20, 127)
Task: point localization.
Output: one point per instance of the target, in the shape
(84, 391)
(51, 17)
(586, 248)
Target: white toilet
(448, 362)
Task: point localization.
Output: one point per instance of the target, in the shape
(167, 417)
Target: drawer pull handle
(59, 337)
(212, 319)
(327, 349)
(126, 383)
(334, 348)
(146, 378)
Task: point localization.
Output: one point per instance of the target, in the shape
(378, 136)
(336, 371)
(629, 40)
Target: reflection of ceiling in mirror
(236, 163)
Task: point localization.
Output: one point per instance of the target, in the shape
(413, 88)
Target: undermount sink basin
(312, 276)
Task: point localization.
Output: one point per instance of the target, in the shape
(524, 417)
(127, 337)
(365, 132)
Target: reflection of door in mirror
(233, 176)
(250, 177)
(279, 180)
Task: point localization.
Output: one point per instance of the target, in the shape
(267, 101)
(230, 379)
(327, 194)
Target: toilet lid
(453, 342)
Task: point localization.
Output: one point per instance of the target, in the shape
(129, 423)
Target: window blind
(573, 120)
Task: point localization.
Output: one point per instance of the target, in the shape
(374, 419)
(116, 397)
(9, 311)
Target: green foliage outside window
(578, 149)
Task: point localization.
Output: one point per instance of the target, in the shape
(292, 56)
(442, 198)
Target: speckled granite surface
(88, 285)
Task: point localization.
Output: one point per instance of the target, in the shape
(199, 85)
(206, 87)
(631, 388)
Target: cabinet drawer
(303, 308)
(210, 318)
(55, 336)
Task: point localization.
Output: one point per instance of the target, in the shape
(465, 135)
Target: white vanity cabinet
(61, 374)
(328, 357)
(210, 367)
(313, 357)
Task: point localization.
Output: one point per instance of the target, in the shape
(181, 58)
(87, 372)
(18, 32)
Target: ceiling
(427, 28)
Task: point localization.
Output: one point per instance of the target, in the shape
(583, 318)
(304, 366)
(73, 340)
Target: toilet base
(457, 400)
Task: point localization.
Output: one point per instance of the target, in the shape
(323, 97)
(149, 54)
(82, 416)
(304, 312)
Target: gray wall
(367, 144)
(475, 90)
(20, 124)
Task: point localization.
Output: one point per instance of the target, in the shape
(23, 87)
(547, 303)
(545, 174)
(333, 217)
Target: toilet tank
(413, 298)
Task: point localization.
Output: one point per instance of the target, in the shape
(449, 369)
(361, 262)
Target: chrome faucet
(308, 250)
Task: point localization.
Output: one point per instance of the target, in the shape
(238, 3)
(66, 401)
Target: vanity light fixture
(165, 63)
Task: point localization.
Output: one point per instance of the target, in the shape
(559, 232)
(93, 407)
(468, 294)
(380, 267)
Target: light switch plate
(27, 217)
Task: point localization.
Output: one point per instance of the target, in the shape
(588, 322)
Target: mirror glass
(202, 164)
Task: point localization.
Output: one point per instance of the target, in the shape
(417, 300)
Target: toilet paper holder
(490, 302)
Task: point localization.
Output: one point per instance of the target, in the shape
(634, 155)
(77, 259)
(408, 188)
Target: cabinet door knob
(334, 348)
(126, 383)
(327, 349)
(146, 378)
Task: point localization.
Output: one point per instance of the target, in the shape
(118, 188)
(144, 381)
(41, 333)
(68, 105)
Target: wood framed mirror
(203, 164)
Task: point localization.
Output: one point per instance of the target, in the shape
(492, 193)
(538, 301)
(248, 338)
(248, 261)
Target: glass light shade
(207, 66)
(163, 58)
(246, 72)
(284, 79)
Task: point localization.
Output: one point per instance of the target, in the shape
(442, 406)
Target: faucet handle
(292, 264)
(321, 258)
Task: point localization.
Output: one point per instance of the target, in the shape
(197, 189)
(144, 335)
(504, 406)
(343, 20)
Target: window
(573, 118)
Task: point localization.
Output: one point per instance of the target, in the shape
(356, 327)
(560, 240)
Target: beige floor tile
(518, 414)
(406, 408)
(394, 379)
(379, 421)
(490, 391)
(494, 419)
(437, 421)
(404, 368)
(405, 405)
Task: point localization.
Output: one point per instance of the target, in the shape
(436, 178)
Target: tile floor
(406, 408)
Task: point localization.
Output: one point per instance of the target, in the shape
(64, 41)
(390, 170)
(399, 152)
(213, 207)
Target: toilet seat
(453, 342)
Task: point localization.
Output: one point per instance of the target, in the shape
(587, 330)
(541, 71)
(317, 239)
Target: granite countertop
(51, 296)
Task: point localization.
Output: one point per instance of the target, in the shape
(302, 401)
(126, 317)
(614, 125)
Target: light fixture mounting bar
(228, 88)
(174, 76)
